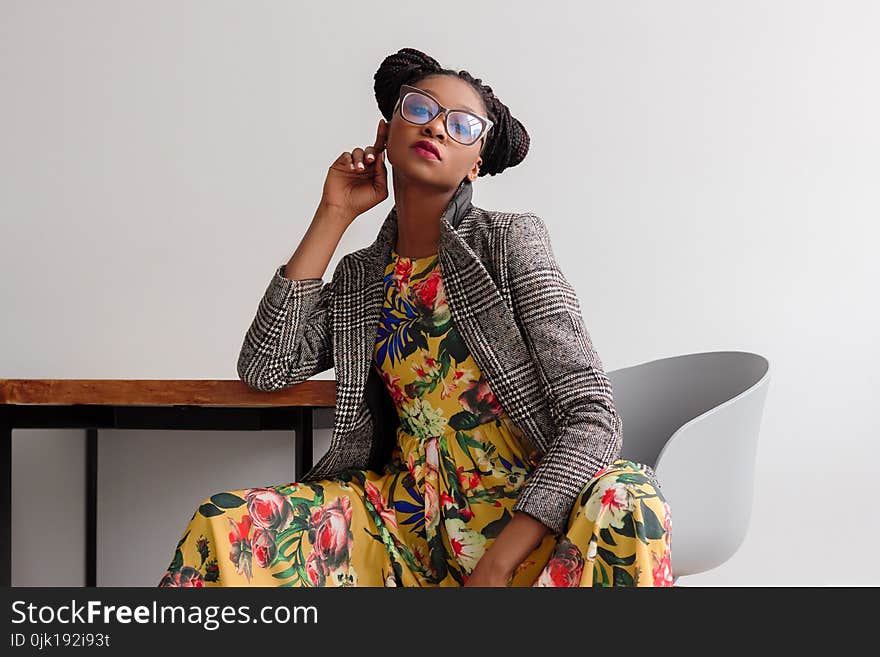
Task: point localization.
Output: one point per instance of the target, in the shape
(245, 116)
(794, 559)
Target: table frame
(110, 404)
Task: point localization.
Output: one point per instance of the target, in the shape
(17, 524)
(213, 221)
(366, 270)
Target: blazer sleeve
(290, 339)
(589, 435)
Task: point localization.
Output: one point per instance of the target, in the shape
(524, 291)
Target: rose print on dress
(240, 552)
(480, 402)
(564, 568)
(269, 509)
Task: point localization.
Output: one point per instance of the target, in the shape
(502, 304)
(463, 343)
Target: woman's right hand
(358, 179)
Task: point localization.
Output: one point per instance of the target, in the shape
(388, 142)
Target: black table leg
(307, 437)
(91, 507)
(303, 444)
(6, 503)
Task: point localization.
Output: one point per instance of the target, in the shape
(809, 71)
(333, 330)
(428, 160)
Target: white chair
(695, 419)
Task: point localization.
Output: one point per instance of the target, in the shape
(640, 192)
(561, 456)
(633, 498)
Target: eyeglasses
(419, 107)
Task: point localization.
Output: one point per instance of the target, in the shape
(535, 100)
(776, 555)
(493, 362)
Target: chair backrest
(695, 419)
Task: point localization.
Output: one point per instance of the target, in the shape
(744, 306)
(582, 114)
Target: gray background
(708, 171)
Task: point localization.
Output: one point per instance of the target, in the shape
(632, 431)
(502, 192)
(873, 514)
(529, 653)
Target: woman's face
(456, 160)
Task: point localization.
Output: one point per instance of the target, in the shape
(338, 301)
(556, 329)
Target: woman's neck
(419, 209)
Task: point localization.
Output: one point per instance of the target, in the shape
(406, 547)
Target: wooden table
(94, 404)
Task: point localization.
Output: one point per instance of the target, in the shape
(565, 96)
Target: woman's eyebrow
(431, 91)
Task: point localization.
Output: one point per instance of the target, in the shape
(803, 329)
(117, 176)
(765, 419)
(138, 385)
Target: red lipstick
(427, 149)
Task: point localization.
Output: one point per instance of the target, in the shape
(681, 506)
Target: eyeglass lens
(462, 126)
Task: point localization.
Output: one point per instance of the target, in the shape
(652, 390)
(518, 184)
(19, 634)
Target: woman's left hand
(498, 564)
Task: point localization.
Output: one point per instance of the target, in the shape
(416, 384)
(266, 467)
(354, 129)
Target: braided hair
(507, 142)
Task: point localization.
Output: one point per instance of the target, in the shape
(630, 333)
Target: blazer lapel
(488, 327)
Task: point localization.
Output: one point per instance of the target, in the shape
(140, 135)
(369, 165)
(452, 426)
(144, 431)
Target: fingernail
(360, 165)
(370, 156)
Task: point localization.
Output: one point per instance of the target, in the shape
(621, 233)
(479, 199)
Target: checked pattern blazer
(516, 312)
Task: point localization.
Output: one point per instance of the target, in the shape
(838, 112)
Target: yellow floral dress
(438, 505)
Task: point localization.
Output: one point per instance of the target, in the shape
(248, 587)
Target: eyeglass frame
(486, 123)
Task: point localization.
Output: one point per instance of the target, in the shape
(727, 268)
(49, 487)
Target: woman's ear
(475, 170)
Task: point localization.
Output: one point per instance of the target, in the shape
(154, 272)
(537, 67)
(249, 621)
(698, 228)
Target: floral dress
(448, 490)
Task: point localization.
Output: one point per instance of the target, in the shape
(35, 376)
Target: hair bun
(509, 144)
(405, 65)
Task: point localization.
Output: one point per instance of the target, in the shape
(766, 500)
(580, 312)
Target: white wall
(708, 171)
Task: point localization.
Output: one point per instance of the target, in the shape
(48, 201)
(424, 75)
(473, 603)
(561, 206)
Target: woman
(475, 439)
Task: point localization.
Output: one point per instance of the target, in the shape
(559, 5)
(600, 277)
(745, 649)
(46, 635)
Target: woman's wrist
(515, 542)
(335, 214)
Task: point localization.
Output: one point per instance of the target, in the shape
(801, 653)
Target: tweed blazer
(516, 312)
